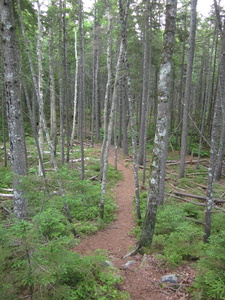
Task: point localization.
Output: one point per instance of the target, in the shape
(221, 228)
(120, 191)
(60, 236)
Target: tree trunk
(184, 137)
(40, 88)
(18, 154)
(75, 89)
(123, 20)
(160, 141)
(61, 86)
(35, 86)
(108, 84)
(53, 124)
(81, 87)
(109, 132)
(220, 101)
(145, 86)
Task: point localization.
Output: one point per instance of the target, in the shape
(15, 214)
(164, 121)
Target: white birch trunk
(40, 87)
(108, 84)
(35, 85)
(109, 132)
(75, 89)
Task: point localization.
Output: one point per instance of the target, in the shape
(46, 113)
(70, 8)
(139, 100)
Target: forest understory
(34, 268)
(146, 78)
(142, 273)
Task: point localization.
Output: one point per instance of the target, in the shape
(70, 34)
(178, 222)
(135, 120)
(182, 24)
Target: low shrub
(47, 269)
(209, 282)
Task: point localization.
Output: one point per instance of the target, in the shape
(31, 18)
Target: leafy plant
(47, 268)
(210, 278)
(185, 243)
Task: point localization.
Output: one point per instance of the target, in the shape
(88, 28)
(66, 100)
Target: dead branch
(194, 174)
(198, 204)
(94, 178)
(6, 195)
(176, 187)
(200, 185)
(7, 190)
(184, 199)
(78, 142)
(198, 197)
(193, 161)
(6, 210)
(142, 167)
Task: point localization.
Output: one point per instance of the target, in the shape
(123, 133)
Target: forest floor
(142, 278)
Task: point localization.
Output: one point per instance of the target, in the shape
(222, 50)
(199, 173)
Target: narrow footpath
(142, 278)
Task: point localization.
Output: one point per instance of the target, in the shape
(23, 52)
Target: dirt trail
(142, 279)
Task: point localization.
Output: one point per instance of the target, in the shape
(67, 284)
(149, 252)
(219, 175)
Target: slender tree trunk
(123, 20)
(125, 115)
(160, 141)
(145, 87)
(34, 127)
(53, 124)
(40, 88)
(106, 101)
(18, 154)
(3, 127)
(75, 89)
(35, 85)
(66, 80)
(215, 138)
(221, 95)
(61, 86)
(109, 132)
(184, 136)
(81, 87)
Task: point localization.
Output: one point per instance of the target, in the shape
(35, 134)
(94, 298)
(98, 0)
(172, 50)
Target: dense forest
(144, 77)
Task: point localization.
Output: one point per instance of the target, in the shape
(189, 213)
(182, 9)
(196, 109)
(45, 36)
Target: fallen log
(195, 174)
(184, 199)
(193, 161)
(198, 204)
(197, 197)
(200, 185)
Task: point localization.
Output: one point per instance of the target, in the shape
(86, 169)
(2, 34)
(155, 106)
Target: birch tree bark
(35, 86)
(75, 89)
(160, 140)
(18, 155)
(109, 131)
(40, 88)
(108, 84)
(184, 135)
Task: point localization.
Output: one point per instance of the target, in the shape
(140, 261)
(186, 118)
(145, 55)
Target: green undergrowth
(179, 230)
(34, 266)
(37, 259)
